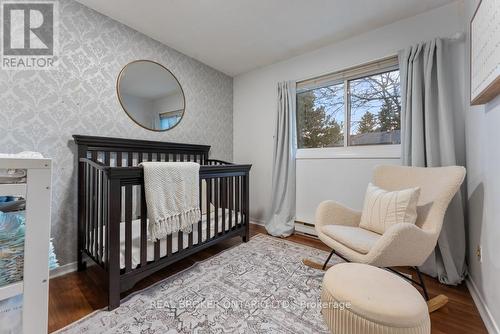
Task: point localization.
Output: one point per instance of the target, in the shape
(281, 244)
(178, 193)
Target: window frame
(346, 76)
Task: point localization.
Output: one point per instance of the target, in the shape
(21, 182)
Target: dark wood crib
(112, 213)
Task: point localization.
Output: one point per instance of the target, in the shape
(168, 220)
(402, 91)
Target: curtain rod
(458, 36)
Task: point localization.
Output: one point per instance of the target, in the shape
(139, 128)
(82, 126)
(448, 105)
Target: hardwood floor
(75, 295)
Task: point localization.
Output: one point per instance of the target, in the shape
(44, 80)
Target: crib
(112, 213)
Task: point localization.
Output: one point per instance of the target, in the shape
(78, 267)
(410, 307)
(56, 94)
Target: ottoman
(362, 299)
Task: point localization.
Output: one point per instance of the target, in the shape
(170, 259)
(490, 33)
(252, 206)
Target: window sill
(351, 152)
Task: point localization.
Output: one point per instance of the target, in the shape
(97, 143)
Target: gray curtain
(432, 136)
(282, 216)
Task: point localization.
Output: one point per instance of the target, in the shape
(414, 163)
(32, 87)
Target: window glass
(169, 121)
(320, 117)
(357, 106)
(375, 109)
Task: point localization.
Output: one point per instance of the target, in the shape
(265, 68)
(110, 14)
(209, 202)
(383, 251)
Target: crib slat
(237, 199)
(87, 205)
(180, 241)
(200, 190)
(169, 244)
(216, 204)
(96, 213)
(231, 203)
(106, 158)
(200, 229)
(144, 236)
(224, 203)
(103, 202)
(246, 214)
(128, 228)
(91, 211)
(130, 159)
(157, 250)
(190, 239)
(209, 200)
(119, 159)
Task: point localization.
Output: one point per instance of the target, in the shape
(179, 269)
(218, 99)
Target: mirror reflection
(151, 95)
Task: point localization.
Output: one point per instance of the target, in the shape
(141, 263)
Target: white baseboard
(63, 270)
(485, 313)
(257, 221)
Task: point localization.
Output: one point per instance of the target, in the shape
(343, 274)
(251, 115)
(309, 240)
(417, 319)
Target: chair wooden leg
(324, 266)
(319, 266)
(315, 265)
(436, 303)
(433, 304)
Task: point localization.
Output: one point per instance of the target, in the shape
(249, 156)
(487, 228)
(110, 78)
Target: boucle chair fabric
(362, 299)
(401, 244)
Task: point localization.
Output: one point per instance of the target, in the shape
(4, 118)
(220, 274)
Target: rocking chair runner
(403, 244)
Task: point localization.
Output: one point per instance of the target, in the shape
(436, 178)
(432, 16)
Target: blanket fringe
(181, 222)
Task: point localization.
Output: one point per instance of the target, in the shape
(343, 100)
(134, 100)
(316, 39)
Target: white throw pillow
(384, 208)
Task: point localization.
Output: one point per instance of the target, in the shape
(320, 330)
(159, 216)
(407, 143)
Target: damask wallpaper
(40, 110)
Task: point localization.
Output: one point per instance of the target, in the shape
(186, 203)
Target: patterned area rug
(256, 287)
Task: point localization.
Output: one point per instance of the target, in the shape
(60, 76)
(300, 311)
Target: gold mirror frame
(123, 105)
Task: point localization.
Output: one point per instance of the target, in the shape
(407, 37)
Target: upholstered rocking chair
(402, 244)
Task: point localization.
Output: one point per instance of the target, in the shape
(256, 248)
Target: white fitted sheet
(136, 237)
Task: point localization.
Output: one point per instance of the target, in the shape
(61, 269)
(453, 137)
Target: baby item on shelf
(16, 175)
(10, 203)
(12, 229)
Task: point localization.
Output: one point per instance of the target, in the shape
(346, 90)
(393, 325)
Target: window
(170, 119)
(359, 106)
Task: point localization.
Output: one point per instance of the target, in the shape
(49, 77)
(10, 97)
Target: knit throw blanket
(172, 197)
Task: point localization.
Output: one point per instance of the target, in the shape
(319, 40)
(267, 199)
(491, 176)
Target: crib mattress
(136, 237)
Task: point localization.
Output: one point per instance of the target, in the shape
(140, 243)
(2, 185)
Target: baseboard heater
(306, 229)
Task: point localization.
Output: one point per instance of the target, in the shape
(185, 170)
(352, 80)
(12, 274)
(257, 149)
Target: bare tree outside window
(320, 117)
(374, 106)
(375, 109)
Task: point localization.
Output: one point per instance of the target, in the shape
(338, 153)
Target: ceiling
(236, 36)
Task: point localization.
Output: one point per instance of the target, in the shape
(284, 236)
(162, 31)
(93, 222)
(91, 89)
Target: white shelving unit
(34, 287)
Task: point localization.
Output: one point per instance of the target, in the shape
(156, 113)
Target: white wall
(255, 105)
(483, 183)
(342, 177)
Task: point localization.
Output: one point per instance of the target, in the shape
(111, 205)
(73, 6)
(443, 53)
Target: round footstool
(362, 299)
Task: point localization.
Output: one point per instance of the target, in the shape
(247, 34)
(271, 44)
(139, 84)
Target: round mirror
(151, 95)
